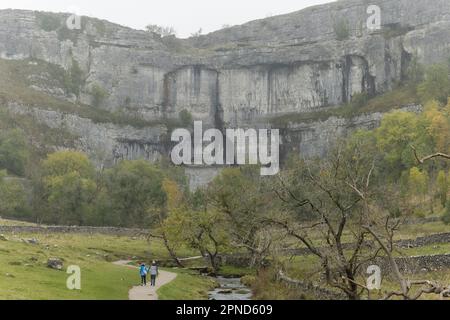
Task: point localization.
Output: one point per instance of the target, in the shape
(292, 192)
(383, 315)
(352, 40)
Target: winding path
(147, 292)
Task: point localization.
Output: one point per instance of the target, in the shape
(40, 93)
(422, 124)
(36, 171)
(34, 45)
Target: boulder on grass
(3, 238)
(31, 241)
(55, 263)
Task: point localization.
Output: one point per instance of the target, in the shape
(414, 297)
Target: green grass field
(24, 273)
(186, 286)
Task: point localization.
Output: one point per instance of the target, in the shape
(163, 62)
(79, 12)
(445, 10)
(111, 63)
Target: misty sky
(186, 16)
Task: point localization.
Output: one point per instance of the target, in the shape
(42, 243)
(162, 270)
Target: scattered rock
(3, 238)
(31, 241)
(225, 292)
(55, 263)
(242, 291)
(9, 275)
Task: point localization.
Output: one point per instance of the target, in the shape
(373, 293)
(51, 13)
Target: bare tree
(408, 289)
(422, 160)
(245, 199)
(161, 30)
(197, 33)
(326, 203)
(382, 228)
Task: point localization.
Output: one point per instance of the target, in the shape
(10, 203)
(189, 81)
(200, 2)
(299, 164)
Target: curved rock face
(283, 64)
(240, 76)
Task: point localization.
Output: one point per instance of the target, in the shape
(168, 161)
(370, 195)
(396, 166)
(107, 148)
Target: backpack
(143, 271)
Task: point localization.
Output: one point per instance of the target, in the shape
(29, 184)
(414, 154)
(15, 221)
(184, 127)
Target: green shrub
(248, 280)
(415, 72)
(74, 79)
(442, 187)
(185, 117)
(127, 102)
(436, 85)
(342, 29)
(67, 34)
(48, 21)
(359, 100)
(395, 30)
(446, 216)
(99, 94)
(100, 27)
(14, 151)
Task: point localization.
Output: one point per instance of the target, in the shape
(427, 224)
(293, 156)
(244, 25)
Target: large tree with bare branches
(341, 209)
(241, 194)
(329, 203)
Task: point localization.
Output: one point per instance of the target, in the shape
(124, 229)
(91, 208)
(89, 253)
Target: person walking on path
(143, 273)
(153, 274)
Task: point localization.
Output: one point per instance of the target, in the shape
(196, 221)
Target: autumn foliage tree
(246, 200)
(68, 187)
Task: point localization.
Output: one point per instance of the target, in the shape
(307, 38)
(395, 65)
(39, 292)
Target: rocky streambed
(230, 289)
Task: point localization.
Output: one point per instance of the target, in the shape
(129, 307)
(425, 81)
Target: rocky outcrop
(314, 138)
(288, 63)
(199, 176)
(239, 76)
(106, 143)
(55, 263)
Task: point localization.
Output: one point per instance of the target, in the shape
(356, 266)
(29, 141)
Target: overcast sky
(186, 16)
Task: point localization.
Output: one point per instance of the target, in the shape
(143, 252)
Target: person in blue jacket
(143, 273)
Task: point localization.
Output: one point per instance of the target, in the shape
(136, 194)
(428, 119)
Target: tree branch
(429, 157)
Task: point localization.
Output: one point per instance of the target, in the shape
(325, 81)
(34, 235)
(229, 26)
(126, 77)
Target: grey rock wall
(240, 76)
(106, 143)
(314, 138)
(283, 64)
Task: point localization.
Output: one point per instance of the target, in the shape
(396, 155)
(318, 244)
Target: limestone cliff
(239, 76)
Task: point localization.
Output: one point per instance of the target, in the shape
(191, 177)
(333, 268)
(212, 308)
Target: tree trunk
(352, 286)
(171, 252)
(214, 263)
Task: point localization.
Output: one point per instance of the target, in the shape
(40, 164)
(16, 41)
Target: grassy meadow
(24, 273)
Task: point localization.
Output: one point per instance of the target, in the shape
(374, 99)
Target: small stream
(230, 289)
